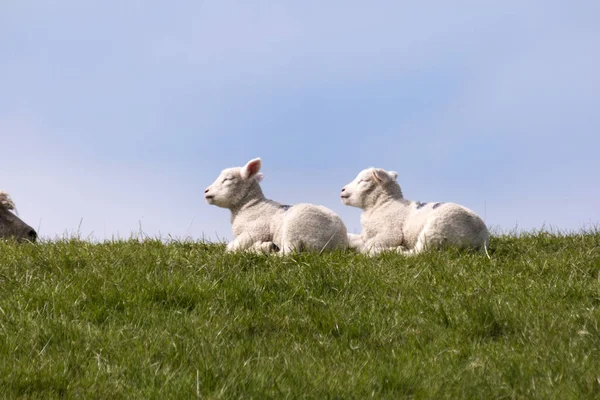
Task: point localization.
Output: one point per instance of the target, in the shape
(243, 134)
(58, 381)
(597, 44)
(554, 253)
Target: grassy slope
(150, 320)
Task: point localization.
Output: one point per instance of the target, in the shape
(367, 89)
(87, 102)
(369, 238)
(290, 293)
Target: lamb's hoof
(402, 250)
(265, 248)
(270, 247)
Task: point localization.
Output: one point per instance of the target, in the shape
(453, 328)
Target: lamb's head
(235, 186)
(10, 224)
(371, 185)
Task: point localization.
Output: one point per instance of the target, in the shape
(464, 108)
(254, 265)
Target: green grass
(146, 319)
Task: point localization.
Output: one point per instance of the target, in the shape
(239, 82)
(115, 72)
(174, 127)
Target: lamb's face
(10, 224)
(356, 192)
(225, 190)
(233, 185)
(370, 183)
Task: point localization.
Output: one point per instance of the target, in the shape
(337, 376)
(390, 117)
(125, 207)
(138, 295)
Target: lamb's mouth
(209, 197)
(344, 196)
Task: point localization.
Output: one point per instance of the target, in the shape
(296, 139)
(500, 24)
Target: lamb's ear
(380, 175)
(393, 175)
(6, 201)
(251, 168)
(259, 177)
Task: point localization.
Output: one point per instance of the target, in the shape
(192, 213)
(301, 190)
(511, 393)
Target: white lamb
(391, 222)
(263, 225)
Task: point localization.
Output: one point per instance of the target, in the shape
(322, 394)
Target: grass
(178, 320)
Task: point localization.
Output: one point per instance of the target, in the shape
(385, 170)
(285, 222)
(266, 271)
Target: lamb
(10, 224)
(391, 222)
(266, 226)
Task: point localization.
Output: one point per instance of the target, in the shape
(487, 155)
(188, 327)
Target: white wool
(6, 201)
(261, 225)
(392, 223)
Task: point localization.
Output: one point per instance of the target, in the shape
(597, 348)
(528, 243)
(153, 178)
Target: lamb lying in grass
(10, 224)
(391, 222)
(263, 225)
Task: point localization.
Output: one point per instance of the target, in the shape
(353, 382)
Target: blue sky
(115, 115)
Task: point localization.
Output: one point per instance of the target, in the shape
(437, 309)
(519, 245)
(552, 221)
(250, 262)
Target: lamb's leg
(289, 247)
(355, 242)
(424, 241)
(374, 251)
(419, 248)
(263, 248)
(376, 246)
(288, 243)
(240, 243)
(402, 250)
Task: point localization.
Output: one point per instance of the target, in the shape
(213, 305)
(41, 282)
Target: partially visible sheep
(263, 225)
(10, 224)
(390, 222)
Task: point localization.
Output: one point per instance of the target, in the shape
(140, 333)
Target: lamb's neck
(254, 205)
(386, 199)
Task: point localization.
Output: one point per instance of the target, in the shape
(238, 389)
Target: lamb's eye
(227, 179)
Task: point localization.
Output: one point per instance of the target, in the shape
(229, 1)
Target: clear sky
(115, 115)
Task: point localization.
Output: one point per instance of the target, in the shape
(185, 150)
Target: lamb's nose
(343, 189)
(206, 191)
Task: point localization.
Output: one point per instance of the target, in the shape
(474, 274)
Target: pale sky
(115, 115)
